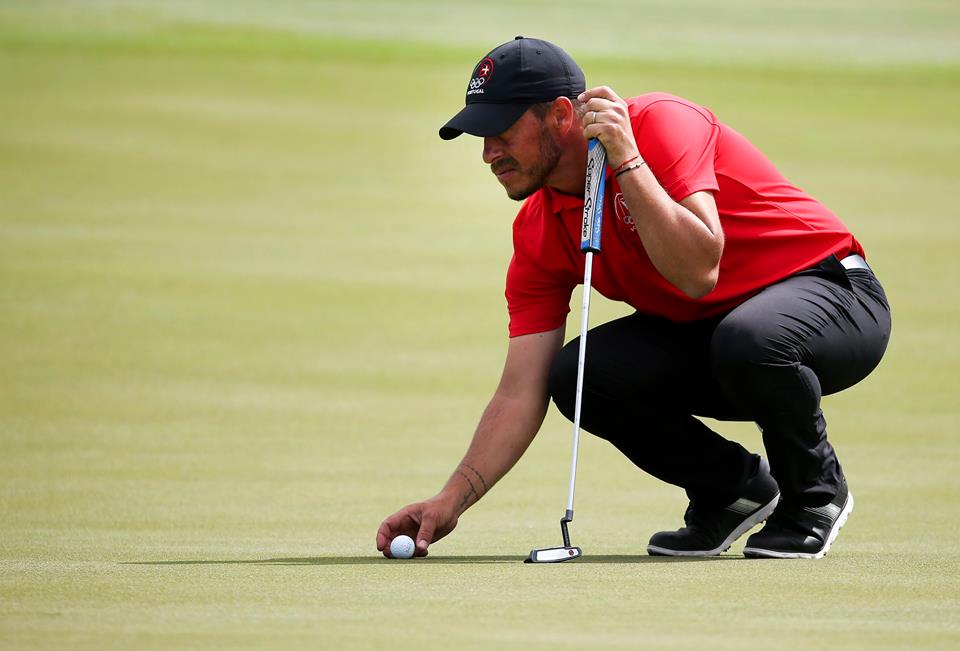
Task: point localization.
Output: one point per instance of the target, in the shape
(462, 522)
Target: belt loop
(855, 262)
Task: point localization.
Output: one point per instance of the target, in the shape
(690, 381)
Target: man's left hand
(607, 119)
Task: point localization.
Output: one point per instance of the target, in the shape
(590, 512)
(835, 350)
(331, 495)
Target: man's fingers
(594, 109)
(383, 537)
(422, 521)
(606, 117)
(428, 525)
(602, 114)
(401, 522)
(599, 104)
(600, 91)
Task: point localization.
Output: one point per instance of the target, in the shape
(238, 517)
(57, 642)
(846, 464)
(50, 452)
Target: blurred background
(250, 304)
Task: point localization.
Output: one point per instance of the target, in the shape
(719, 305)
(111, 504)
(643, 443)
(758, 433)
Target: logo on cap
(481, 75)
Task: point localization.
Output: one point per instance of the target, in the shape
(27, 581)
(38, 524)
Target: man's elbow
(699, 286)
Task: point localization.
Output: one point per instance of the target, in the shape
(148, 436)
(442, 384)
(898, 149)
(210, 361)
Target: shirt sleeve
(538, 300)
(679, 142)
(535, 302)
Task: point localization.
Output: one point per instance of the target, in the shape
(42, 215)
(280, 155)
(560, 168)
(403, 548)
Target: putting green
(250, 304)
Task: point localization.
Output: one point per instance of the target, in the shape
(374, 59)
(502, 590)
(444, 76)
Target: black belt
(855, 262)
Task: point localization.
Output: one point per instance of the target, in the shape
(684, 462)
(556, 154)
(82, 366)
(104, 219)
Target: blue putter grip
(593, 197)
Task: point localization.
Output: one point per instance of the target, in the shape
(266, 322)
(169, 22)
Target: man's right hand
(425, 522)
(507, 427)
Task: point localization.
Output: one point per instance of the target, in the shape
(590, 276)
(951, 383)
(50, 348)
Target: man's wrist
(628, 157)
(465, 488)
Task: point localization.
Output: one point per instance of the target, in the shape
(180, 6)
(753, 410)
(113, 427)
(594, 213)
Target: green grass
(250, 304)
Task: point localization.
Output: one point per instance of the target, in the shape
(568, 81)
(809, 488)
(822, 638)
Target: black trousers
(769, 361)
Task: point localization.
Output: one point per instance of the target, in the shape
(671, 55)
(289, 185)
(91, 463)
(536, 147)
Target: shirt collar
(561, 201)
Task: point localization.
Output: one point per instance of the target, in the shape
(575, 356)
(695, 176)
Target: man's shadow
(375, 559)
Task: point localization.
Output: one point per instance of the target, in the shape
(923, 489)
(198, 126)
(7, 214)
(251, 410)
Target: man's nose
(491, 149)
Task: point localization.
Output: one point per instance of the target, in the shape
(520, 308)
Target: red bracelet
(625, 163)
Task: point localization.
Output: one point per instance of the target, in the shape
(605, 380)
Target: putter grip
(593, 197)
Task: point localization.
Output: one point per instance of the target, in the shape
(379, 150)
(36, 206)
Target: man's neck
(571, 170)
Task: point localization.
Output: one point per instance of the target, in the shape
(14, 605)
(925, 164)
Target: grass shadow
(372, 559)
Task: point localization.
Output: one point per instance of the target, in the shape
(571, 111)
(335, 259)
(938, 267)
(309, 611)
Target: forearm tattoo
(479, 476)
(465, 470)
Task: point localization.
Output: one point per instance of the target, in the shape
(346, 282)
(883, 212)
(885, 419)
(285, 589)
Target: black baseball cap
(508, 80)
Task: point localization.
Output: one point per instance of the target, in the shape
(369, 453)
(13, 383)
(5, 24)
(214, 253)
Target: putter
(589, 244)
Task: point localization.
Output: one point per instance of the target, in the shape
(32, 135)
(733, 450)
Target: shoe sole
(749, 523)
(757, 552)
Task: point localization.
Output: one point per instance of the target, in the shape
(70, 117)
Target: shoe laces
(699, 516)
(783, 518)
(690, 515)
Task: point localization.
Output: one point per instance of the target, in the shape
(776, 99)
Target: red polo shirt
(772, 228)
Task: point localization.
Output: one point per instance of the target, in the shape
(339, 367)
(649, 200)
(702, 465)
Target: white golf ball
(402, 547)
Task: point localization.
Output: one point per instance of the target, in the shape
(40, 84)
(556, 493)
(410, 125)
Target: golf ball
(402, 547)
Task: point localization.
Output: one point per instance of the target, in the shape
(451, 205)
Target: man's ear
(563, 114)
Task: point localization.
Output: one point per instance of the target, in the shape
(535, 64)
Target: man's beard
(540, 170)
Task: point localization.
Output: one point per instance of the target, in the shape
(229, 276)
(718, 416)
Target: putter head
(553, 555)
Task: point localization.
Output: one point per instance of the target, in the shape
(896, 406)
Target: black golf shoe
(710, 531)
(801, 532)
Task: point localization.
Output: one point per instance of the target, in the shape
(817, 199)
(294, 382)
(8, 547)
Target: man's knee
(562, 380)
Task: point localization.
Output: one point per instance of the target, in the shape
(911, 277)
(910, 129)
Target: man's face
(523, 156)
